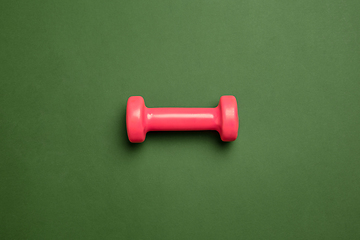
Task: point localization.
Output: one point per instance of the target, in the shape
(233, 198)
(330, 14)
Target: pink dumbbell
(140, 119)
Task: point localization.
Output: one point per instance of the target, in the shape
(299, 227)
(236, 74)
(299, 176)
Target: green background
(67, 170)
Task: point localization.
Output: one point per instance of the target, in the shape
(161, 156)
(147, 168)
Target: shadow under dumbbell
(211, 137)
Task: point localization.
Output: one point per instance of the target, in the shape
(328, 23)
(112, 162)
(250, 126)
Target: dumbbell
(141, 119)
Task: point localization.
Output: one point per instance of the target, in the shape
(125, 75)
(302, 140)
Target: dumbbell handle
(182, 119)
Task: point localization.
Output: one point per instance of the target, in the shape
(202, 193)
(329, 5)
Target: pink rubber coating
(140, 119)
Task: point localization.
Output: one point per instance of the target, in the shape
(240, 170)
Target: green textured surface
(67, 170)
